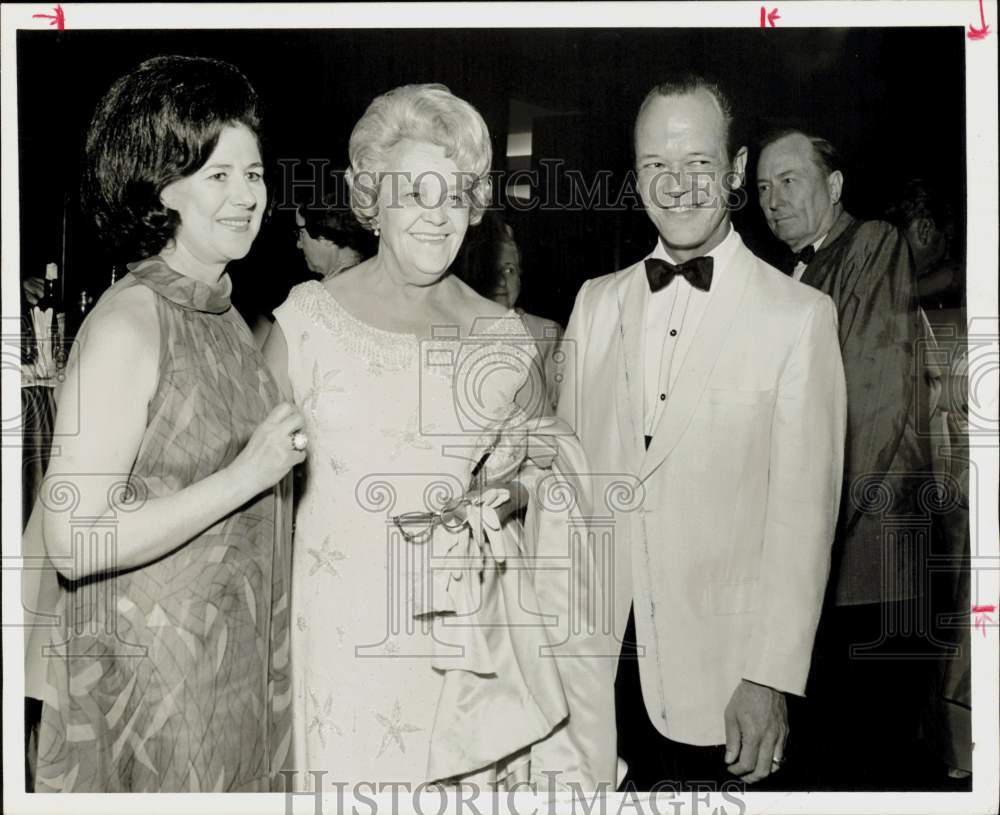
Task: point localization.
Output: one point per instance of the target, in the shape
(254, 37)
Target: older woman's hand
(270, 452)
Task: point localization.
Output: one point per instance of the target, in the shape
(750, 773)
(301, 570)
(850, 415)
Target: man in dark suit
(870, 669)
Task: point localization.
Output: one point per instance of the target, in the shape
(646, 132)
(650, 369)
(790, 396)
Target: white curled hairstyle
(424, 113)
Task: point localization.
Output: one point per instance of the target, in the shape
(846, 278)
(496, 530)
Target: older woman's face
(423, 210)
(222, 203)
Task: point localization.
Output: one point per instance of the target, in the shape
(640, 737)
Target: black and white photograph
(543, 406)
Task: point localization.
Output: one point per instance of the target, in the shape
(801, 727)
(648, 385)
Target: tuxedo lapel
(722, 309)
(631, 290)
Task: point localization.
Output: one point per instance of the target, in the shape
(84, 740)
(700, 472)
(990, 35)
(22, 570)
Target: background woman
(331, 239)
(491, 263)
(172, 645)
(404, 375)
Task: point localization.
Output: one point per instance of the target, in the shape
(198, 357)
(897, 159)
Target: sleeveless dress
(395, 424)
(172, 677)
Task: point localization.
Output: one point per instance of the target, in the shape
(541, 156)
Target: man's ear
(835, 183)
(739, 169)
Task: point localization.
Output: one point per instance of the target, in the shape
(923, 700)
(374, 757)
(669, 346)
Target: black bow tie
(697, 272)
(803, 257)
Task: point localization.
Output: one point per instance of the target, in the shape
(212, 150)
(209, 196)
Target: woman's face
(423, 210)
(508, 275)
(222, 203)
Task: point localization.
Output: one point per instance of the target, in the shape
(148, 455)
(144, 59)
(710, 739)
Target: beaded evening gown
(172, 677)
(395, 425)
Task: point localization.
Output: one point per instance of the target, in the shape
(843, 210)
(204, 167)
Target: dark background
(893, 100)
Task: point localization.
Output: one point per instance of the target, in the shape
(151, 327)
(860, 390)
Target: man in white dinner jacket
(718, 383)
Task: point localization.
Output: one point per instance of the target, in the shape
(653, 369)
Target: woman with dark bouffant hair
(163, 510)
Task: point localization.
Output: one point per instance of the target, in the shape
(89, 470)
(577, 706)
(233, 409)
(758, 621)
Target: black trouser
(652, 758)
(860, 724)
(32, 721)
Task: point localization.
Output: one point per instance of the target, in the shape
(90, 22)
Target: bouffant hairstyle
(337, 223)
(157, 124)
(423, 113)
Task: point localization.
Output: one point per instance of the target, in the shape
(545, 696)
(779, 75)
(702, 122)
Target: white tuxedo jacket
(728, 552)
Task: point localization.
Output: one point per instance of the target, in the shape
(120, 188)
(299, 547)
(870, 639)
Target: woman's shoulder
(339, 287)
(541, 327)
(125, 312)
(485, 316)
(349, 279)
(300, 298)
(120, 335)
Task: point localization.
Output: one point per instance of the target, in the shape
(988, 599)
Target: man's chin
(686, 239)
(785, 235)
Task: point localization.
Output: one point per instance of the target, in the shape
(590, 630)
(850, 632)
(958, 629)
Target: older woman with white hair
(415, 658)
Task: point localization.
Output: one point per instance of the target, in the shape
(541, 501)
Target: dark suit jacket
(882, 537)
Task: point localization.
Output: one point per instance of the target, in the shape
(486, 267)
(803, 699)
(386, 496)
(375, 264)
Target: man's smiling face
(684, 171)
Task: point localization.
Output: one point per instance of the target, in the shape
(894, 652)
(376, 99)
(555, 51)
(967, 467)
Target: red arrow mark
(983, 617)
(766, 17)
(979, 33)
(58, 18)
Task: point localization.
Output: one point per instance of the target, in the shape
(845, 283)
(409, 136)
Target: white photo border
(982, 261)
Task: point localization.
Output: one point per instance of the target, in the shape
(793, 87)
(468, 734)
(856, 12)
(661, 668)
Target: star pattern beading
(321, 384)
(326, 558)
(322, 719)
(409, 438)
(394, 729)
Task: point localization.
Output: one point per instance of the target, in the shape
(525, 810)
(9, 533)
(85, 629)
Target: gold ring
(299, 440)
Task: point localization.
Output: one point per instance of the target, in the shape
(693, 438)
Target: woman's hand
(510, 447)
(269, 453)
(490, 506)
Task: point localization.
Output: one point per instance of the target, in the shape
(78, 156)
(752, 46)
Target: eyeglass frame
(432, 520)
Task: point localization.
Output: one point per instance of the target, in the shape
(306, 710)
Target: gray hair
(825, 155)
(424, 113)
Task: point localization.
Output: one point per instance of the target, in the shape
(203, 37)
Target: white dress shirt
(672, 317)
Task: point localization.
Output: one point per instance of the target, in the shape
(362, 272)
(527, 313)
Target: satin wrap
(515, 614)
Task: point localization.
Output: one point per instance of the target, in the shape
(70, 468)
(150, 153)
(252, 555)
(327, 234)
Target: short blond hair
(423, 113)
